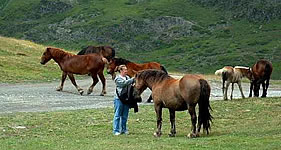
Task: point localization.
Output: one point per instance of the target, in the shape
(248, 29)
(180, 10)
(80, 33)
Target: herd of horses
(167, 92)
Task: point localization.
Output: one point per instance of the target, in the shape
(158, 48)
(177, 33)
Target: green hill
(195, 36)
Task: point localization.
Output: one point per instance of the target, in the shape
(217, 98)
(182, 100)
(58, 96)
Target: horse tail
(204, 106)
(163, 69)
(83, 51)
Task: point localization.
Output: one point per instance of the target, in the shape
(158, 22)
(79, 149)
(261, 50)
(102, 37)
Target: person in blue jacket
(121, 111)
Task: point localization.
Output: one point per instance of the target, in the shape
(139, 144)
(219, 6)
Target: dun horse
(233, 75)
(132, 67)
(177, 95)
(70, 64)
(106, 51)
(261, 75)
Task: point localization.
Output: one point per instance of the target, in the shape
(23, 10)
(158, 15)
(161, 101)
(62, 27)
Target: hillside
(193, 36)
(20, 61)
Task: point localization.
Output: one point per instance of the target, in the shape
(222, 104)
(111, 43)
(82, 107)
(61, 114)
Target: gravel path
(41, 97)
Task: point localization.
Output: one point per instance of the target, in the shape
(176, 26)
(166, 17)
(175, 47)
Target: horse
(177, 95)
(106, 51)
(132, 67)
(70, 64)
(261, 75)
(233, 75)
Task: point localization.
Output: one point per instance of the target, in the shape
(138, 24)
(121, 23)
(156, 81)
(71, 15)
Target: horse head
(136, 94)
(140, 83)
(47, 56)
(112, 68)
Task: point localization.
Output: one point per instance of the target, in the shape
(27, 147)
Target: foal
(70, 64)
(233, 75)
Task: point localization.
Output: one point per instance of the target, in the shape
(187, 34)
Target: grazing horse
(177, 95)
(106, 51)
(70, 64)
(132, 67)
(261, 75)
(233, 75)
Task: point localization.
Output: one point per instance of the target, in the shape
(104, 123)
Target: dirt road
(41, 97)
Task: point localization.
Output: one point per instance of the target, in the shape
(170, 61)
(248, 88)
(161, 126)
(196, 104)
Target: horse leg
(266, 86)
(173, 125)
(101, 76)
(223, 83)
(225, 91)
(240, 88)
(256, 89)
(158, 110)
(63, 77)
(263, 89)
(232, 88)
(251, 88)
(95, 81)
(149, 99)
(71, 77)
(192, 112)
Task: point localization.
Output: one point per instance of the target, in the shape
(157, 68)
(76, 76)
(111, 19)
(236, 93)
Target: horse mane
(59, 52)
(96, 49)
(121, 61)
(158, 75)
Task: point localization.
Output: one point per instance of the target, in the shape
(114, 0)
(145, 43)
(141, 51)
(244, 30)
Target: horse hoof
(172, 135)
(192, 135)
(157, 134)
(101, 94)
(81, 92)
(59, 89)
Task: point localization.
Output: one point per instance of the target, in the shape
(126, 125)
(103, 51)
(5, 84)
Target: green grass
(20, 62)
(238, 124)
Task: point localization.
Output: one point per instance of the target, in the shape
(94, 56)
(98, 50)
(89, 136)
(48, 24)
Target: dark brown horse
(177, 95)
(106, 51)
(132, 67)
(70, 64)
(261, 73)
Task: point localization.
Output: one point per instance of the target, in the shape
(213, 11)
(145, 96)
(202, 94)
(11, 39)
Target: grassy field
(20, 62)
(238, 124)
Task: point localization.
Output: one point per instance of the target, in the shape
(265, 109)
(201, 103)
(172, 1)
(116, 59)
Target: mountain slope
(184, 35)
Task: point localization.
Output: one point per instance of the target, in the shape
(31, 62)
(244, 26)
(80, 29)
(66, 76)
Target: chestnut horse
(261, 73)
(233, 75)
(106, 51)
(177, 95)
(132, 67)
(70, 64)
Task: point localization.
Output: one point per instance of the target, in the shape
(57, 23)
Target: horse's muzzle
(42, 63)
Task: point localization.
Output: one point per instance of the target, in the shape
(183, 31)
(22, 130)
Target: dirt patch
(42, 97)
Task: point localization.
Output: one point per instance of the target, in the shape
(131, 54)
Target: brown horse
(177, 95)
(70, 64)
(106, 51)
(261, 73)
(133, 68)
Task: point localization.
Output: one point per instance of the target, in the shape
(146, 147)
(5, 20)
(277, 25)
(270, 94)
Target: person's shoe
(117, 133)
(126, 133)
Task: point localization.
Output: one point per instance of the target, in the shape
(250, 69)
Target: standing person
(121, 111)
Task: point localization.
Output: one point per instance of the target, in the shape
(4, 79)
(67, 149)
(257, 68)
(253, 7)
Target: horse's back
(262, 68)
(190, 87)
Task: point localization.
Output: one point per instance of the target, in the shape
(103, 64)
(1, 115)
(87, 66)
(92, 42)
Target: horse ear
(48, 49)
